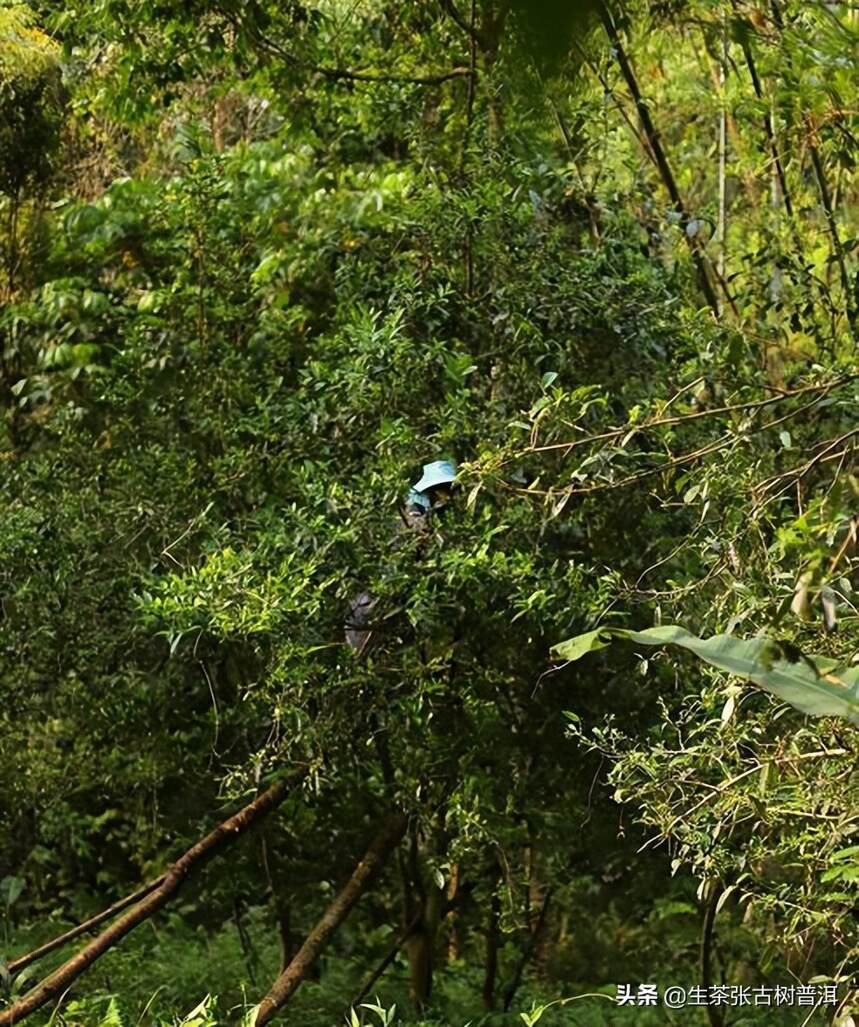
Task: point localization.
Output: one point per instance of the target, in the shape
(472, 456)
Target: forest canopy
(429, 513)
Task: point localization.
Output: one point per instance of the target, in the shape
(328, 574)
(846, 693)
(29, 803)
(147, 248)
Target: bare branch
(376, 855)
(56, 984)
(17, 965)
(451, 9)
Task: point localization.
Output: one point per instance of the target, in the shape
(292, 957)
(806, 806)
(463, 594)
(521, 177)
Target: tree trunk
(527, 952)
(714, 1014)
(490, 965)
(375, 857)
(451, 919)
(17, 965)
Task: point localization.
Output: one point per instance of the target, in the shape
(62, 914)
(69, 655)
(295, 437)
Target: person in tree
(357, 626)
(436, 482)
(428, 495)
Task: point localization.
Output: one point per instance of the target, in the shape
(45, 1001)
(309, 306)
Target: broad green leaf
(575, 648)
(812, 684)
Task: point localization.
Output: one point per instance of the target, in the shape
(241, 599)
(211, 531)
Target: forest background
(260, 262)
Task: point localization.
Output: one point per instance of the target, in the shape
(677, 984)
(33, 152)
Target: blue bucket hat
(419, 501)
(440, 472)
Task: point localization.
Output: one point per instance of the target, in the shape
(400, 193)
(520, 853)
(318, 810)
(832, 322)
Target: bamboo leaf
(813, 684)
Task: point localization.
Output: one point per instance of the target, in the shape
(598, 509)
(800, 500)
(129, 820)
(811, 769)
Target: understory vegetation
(260, 264)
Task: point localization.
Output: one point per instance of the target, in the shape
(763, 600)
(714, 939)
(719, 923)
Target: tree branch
(55, 984)
(376, 855)
(527, 952)
(346, 74)
(17, 965)
(714, 1014)
(449, 6)
(350, 75)
(400, 940)
(654, 146)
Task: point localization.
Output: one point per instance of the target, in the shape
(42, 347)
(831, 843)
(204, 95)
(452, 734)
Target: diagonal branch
(17, 965)
(654, 147)
(56, 983)
(527, 952)
(451, 9)
(398, 943)
(375, 857)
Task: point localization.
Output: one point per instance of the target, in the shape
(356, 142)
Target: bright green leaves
(812, 684)
(234, 595)
(844, 866)
(30, 107)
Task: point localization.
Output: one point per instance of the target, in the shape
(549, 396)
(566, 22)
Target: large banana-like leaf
(812, 684)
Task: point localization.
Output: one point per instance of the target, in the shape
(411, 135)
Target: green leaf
(112, 1017)
(10, 889)
(575, 648)
(812, 684)
(850, 852)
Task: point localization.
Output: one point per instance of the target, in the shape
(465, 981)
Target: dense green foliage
(261, 262)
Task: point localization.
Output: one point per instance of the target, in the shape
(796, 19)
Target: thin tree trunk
(714, 1014)
(55, 984)
(826, 198)
(527, 952)
(770, 136)
(473, 40)
(805, 280)
(12, 257)
(832, 225)
(397, 946)
(654, 145)
(593, 219)
(280, 903)
(288, 982)
(490, 964)
(492, 30)
(284, 927)
(722, 227)
(451, 918)
(402, 938)
(245, 942)
(466, 142)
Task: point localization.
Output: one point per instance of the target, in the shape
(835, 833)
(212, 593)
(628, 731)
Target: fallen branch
(56, 983)
(17, 965)
(287, 983)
